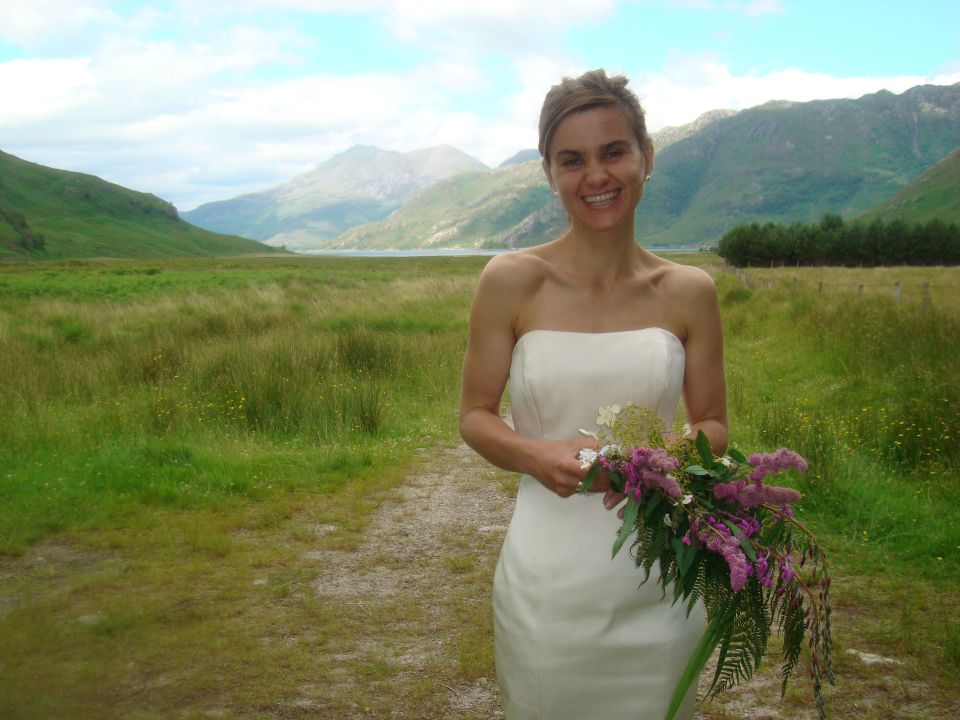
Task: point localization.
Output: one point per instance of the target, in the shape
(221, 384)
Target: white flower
(728, 462)
(686, 499)
(687, 430)
(611, 451)
(587, 457)
(667, 521)
(607, 415)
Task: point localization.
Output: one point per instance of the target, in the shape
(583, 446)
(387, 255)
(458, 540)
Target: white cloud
(692, 86)
(44, 23)
(37, 88)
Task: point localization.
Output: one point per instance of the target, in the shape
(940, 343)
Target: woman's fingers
(612, 498)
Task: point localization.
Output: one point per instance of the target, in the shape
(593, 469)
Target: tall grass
(157, 397)
(869, 391)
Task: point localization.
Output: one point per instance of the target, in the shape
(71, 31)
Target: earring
(647, 179)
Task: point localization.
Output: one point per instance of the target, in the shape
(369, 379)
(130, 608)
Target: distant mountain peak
(521, 157)
(362, 184)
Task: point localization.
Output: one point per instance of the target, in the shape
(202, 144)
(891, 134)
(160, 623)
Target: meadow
(172, 433)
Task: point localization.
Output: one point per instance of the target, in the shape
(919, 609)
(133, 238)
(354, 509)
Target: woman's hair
(587, 91)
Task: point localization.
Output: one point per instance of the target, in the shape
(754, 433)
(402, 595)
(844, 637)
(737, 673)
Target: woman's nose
(596, 174)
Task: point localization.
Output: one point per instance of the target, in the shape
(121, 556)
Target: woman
(587, 320)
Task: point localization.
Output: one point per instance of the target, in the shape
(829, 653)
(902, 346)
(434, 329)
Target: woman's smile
(603, 200)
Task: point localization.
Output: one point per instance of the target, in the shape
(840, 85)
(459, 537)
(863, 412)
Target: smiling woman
(587, 320)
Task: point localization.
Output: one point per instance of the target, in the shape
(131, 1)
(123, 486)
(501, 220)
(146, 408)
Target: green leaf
(773, 534)
(737, 455)
(703, 651)
(684, 554)
(744, 542)
(696, 470)
(703, 447)
(690, 579)
(653, 502)
(630, 513)
(589, 478)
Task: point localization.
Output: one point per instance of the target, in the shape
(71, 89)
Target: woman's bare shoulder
(519, 271)
(686, 282)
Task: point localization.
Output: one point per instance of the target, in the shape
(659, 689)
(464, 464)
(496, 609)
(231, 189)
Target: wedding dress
(577, 637)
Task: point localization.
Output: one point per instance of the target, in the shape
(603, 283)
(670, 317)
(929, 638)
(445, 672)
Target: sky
(205, 100)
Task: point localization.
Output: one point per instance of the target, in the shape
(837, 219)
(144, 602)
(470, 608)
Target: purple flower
(763, 569)
(748, 496)
(786, 570)
(750, 525)
(771, 463)
(718, 538)
(647, 469)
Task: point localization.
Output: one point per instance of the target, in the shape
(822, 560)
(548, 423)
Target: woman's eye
(571, 162)
(614, 153)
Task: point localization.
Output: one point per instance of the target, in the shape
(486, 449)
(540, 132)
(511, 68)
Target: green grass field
(167, 428)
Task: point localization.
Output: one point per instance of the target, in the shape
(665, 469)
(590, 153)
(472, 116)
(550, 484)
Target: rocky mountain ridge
(359, 185)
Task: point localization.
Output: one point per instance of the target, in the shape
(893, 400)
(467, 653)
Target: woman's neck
(603, 257)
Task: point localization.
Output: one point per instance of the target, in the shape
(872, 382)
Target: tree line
(833, 241)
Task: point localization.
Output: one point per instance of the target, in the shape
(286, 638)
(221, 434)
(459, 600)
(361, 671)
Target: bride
(587, 320)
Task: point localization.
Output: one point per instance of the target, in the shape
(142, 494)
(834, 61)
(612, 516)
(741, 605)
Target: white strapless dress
(577, 637)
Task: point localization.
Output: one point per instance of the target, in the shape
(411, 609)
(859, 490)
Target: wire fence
(899, 291)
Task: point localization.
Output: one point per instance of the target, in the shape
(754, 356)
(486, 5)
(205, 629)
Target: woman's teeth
(602, 198)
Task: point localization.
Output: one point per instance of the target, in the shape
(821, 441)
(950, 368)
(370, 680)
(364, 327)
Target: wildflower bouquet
(723, 536)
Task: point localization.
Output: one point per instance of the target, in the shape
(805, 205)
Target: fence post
(926, 294)
(896, 292)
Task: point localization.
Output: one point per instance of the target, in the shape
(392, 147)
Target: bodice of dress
(559, 379)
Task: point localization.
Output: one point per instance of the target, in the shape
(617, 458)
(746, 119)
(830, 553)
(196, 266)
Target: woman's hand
(558, 469)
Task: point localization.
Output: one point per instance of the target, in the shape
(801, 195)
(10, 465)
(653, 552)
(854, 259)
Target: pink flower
(771, 463)
(647, 470)
(748, 496)
(718, 538)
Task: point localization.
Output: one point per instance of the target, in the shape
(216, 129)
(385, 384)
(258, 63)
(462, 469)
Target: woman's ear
(648, 159)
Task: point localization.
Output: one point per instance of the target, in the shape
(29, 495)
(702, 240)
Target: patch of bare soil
(440, 532)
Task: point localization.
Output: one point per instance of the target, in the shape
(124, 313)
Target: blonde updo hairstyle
(590, 90)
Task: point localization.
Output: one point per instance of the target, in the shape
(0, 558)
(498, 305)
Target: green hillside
(935, 194)
(48, 213)
(786, 162)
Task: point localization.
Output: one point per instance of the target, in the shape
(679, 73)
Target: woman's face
(597, 168)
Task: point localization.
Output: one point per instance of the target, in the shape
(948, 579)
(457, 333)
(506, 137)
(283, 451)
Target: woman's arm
(704, 386)
(505, 285)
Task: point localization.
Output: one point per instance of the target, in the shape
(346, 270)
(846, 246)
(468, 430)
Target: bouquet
(723, 536)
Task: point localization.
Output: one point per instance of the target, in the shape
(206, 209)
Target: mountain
(49, 213)
(510, 206)
(780, 161)
(521, 157)
(360, 185)
(675, 133)
(797, 161)
(935, 194)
